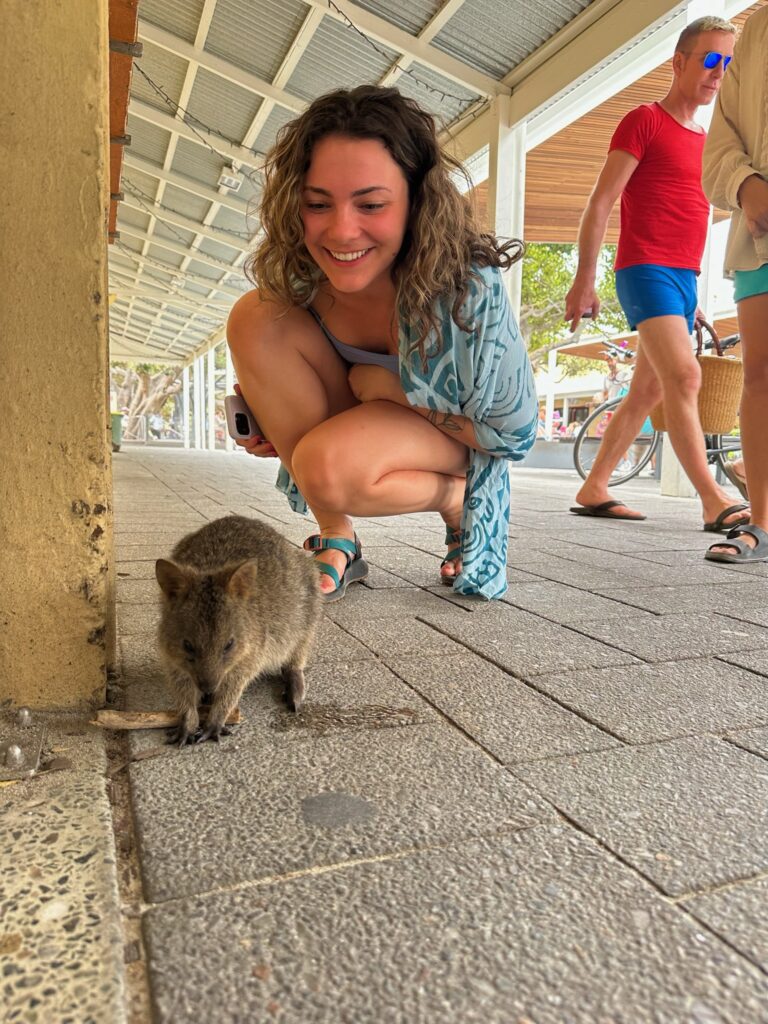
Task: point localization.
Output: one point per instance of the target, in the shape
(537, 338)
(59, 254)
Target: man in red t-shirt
(654, 164)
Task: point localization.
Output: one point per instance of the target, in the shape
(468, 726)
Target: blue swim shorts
(648, 290)
(750, 282)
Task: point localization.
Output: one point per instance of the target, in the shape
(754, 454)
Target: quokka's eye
(229, 645)
(188, 648)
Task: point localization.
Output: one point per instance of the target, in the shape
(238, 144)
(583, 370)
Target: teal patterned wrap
(485, 375)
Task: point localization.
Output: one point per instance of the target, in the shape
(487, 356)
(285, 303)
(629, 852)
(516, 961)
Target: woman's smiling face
(354, 207)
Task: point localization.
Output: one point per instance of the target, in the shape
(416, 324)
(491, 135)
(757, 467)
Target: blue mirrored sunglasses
(712, 59)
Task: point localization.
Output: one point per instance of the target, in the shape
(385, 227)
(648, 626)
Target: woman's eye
(188, 648)
(372, 206)
(316, 206)
(229, 645)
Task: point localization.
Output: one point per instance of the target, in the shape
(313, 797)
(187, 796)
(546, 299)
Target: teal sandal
(452, 536)
(356, 570)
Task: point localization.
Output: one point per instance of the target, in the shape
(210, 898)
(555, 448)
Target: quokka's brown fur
(238, 601)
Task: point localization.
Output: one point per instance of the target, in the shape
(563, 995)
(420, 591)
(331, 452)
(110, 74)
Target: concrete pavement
(551, 808)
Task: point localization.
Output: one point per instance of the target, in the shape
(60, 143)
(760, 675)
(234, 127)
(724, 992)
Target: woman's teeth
(347, 257)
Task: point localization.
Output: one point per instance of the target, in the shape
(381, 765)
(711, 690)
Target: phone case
(241, 422)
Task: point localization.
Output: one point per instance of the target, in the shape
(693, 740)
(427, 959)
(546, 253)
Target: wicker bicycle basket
(721, 382)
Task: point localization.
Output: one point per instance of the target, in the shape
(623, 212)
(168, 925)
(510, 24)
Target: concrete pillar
(506, 186)
(56, 574)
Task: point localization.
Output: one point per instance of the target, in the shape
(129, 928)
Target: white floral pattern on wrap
(485, 375)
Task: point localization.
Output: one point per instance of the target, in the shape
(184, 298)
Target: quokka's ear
(174, 581)
(242, 580)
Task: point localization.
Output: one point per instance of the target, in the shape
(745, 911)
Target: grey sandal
(355, 572)
(743, 552)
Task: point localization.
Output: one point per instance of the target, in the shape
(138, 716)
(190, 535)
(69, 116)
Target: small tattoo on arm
(444, 421)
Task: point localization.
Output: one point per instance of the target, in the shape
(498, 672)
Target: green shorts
(750, 282)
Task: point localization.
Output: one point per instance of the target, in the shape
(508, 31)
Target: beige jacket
(737, 144)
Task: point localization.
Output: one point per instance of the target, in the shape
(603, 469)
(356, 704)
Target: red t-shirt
(664, 212)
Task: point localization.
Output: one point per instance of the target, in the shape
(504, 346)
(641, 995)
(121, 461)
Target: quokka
(238, 601)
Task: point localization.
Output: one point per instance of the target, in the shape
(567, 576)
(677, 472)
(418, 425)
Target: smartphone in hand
(241, 423)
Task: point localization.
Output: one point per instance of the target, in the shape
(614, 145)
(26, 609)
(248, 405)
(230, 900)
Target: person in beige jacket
(735, 173)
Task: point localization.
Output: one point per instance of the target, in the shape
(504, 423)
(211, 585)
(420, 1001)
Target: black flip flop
(603, 511)
(744, 552)
(720, 526)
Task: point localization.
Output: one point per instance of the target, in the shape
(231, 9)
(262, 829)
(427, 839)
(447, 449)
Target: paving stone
(689, 814)
(397, 637)
(674, 637)
(138, 618)
(522, 643)
(242, 803)
(332, 643)
(734, 599)
(538, 925)
(138, 591)
(574, 574)
(739, 914)
(755, 740)
(643, 703)
(560, 603)
(136, 571)
(361, 602)
(512, 721)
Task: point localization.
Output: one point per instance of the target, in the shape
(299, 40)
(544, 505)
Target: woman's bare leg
(753, 326)
(379, 459)
(292, 379)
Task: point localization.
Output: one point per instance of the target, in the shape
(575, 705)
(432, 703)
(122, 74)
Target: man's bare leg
(753, 326)
(666, 343)
(644, 393)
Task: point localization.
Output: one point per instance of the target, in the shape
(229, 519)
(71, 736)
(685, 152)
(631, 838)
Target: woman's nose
(343, 224)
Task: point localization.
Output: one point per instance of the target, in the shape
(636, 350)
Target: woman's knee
(321, 471)
(756, 378)
(646, 392)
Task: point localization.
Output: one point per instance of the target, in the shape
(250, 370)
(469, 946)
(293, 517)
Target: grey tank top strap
(357, 355)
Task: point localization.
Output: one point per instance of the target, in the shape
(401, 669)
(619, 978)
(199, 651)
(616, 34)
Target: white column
(229, 389)
(550, 396)
(506, 186)
(185, 405)
(211, 403)
(197, 402)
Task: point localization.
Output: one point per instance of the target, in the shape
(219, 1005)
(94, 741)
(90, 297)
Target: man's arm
(617, 170)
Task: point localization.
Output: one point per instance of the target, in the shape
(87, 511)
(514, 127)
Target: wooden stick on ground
(110, 719)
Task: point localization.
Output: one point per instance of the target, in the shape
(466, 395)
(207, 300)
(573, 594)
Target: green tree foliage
(548, 272)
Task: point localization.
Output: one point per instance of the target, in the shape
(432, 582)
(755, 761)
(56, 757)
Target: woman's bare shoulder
(253, 312)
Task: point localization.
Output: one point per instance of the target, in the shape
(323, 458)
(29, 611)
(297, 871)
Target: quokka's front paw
(211, 732)
(180, 736)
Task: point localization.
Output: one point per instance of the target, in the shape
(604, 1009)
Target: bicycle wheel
(727, 450)
(588, 442)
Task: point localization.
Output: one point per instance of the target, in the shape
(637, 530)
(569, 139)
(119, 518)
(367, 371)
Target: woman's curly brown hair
(442, 238)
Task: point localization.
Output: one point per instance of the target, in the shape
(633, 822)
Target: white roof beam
(151, 261)
(180, 47)
(180, 221)
(427, 34)
(176, 125)
(164, 243)
(396, 39)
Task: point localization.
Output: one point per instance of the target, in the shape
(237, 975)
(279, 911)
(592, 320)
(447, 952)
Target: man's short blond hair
(706, 24)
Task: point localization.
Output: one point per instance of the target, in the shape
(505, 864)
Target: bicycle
(722, 449)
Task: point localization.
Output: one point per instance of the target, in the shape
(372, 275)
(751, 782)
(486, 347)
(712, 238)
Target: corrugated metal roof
(198, 162)
(185, 203)
(409, 15)
(217, 101)
(178, 16)
(147, 140)
(338, 58)
(493, 36)
(166, 70)
(441, 96)
(255, 37)
(268, 134)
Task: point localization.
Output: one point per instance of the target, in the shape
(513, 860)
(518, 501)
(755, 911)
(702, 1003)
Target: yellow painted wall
(56, 585)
